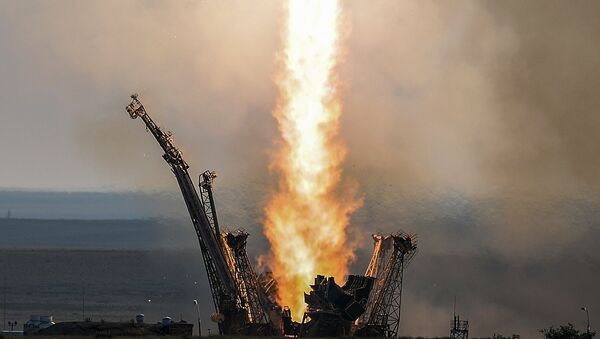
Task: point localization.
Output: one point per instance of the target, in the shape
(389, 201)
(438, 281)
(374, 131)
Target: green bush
(565, 332)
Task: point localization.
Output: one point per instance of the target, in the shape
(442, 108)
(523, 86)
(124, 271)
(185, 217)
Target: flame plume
(307, 216)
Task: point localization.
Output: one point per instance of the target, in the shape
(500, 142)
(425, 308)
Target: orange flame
(307, 217)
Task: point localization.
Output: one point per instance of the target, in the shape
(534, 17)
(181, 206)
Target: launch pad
(246, 303)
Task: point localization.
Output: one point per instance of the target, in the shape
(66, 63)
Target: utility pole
(587, 312)
(454, 312)
(83, 302)
(4, 304)
(199, 320)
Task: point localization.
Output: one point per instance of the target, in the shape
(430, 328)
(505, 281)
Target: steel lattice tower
(245, 276)
(222, 283)
(387, 300)
(234, 250)
(208, 202)
(381, 253)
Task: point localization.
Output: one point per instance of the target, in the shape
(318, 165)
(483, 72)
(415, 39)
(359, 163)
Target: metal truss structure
(392, 254)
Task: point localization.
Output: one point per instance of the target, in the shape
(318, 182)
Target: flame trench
(307, 216)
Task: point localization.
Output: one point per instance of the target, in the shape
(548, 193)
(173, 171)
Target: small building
(37, 322)
(130, 328)
(9, 333)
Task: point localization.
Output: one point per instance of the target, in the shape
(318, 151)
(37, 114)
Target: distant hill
(95, 234)
(118, 220)
(89, 205)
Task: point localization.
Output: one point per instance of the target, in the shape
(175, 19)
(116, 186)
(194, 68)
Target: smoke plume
(472, 124)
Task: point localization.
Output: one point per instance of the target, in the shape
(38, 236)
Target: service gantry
(236, 313)
(391, 255)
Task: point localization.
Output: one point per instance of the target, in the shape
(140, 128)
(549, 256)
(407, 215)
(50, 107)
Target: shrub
(565, 332)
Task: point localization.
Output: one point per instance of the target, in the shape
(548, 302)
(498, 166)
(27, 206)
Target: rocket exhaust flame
(307, 216)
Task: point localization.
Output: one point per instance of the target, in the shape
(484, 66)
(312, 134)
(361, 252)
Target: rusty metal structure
(332, 309)
(246, 303)
(234, 249)
(383, 246)
(391, 256)
(251, 293)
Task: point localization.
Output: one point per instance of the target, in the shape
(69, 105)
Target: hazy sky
(488, 101)
(475, 96)
(481, 117)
